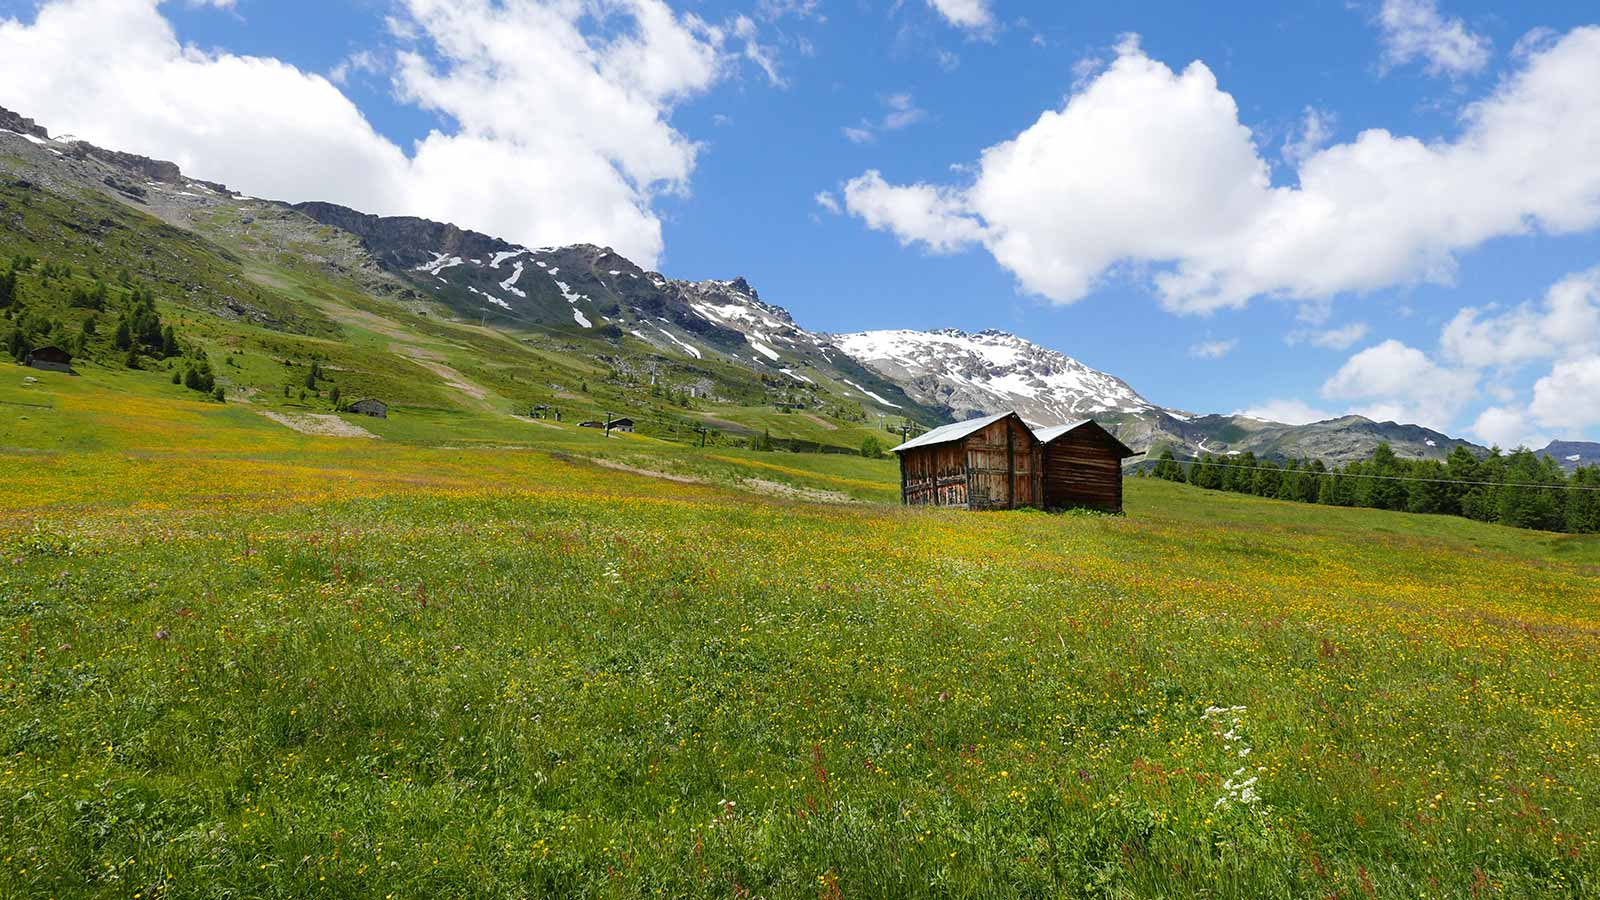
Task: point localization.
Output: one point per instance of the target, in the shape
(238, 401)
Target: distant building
(1001, 462)
(591, 424)
(370, 407)
(622, 425)
(50, 359)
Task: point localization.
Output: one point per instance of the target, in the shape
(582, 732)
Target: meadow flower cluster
(312, 670)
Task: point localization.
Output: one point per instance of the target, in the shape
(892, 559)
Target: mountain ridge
(591, 291)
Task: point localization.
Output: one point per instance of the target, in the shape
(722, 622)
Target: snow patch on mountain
(991, 371)
(510, 284)
(766, 351)
(688, 348)
(505, 255)
(440, 261)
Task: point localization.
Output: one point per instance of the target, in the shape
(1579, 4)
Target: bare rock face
(1573, 454)
(405, 242)
(11, 121)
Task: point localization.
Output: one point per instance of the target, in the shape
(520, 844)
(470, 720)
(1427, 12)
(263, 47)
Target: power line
(1333, 474)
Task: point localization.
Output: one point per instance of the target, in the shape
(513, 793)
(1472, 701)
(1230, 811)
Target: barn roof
(1046, 435)
(944, 434)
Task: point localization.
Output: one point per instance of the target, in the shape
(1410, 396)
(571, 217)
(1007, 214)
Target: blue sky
(704, 144)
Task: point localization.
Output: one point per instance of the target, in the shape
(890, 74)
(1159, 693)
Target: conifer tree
(1167, 467)
(1583, 506)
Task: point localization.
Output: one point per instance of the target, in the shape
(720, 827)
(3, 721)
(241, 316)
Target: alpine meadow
(346, 552)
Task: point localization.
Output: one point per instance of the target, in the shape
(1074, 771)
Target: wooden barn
(1000, 462)
(989, 463)
(370, 407)
(50, 359)
(1082, 465)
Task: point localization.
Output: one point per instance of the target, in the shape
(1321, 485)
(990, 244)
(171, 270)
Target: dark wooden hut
(989, 463)
(1082, 465)
(50, 359)
(367, 406)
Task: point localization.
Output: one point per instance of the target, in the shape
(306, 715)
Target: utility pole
(701, 430)
(608, 424)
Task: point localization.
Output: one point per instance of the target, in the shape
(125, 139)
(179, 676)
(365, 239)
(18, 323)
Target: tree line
(1522, 488)
(89, 319)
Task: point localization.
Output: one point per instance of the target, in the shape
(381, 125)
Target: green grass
(478, 655)
(240, 661)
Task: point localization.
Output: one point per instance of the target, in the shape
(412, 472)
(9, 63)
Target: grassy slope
(301, 300)
(463, 659)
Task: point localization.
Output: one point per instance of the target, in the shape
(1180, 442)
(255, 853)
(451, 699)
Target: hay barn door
(989, 463)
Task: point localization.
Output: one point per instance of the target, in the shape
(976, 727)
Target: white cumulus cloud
(554, 132)
(1566, 322)
(1394, 382)
(1507, 428)
(931, 215)
(1288, 412)
(1153, 167)
(1569, 397)
(974, 15)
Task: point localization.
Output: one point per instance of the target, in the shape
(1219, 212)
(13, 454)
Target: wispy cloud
(1213, 349)
(1416, 30)
(900, 111)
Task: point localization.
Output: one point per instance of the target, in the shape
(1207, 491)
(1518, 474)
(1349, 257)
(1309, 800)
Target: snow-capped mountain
(722, 327)
(977, 374)
(594, 291)
(927, 375)
(992, 371)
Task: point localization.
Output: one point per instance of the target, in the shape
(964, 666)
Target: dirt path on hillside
(722, 423)
(433, 361)
(820, 421)
(649, 473)
(320, 424)
(779, 489)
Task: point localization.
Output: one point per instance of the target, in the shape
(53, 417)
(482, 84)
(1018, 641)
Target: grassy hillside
(263, 292)
(477, 655)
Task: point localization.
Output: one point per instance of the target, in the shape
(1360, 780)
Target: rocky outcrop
(11, 121)
(403, 243)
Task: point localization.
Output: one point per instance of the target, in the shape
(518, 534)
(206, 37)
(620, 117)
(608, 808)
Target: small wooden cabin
(370, 407)
(622, 425)
(989, 463)
(1082, 464)
(1000, 462)
(50, 359)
